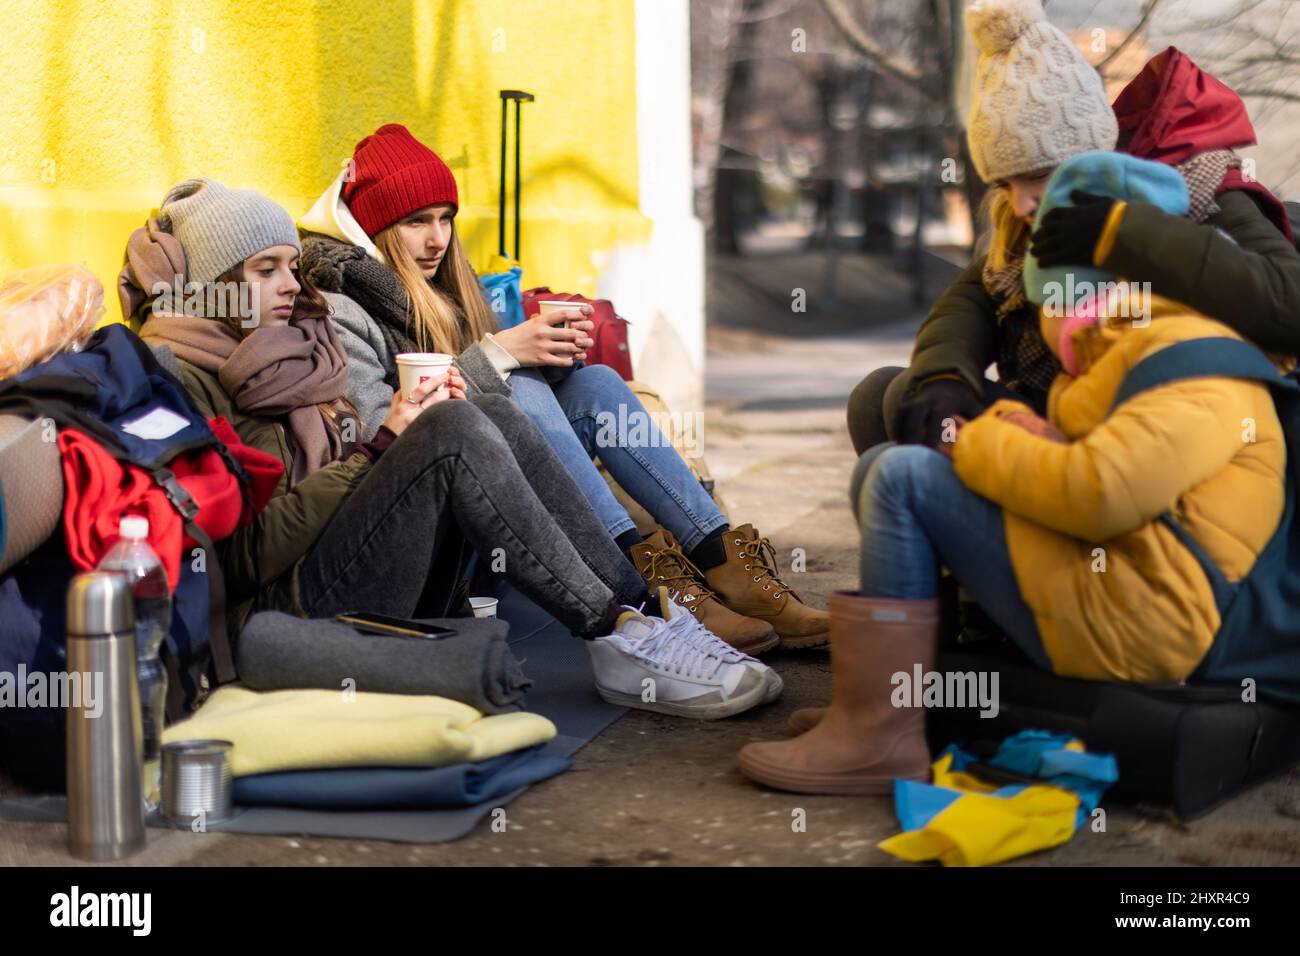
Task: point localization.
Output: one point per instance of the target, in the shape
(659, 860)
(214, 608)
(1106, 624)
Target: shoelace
(757, 550)
(678, 573)
(709, 642)
(676, 645)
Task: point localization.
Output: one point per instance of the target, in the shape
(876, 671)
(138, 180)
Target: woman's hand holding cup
(406, 409)
(455, 383)
(556, 337)
(583, 327)
(579, 322)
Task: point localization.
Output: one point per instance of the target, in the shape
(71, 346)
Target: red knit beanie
(395, 174)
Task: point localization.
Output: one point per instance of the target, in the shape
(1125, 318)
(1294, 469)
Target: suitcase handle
(519, 97)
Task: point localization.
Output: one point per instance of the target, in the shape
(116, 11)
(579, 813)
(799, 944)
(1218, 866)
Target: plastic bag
(44, 311)
(502, 287)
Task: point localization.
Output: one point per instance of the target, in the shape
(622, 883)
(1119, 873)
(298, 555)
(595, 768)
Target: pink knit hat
(395, 174)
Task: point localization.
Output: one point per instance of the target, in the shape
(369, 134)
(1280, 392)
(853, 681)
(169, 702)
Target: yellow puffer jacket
(1114, 593)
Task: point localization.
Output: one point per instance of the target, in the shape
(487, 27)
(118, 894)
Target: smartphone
(369, 623)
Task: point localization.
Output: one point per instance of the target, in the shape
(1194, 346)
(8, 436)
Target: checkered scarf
(1204, 173)
(1025, 364)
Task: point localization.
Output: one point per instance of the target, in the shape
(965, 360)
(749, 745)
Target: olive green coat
(1242, 272)
(261, 562)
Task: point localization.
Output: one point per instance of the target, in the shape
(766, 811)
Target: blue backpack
(104, 391)
(1259, 633)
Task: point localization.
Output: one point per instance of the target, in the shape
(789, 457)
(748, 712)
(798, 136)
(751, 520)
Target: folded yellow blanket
(313, 729)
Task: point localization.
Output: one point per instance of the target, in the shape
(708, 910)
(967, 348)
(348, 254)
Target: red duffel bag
(610, 332)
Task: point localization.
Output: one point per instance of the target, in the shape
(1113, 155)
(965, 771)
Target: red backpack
(610, 332)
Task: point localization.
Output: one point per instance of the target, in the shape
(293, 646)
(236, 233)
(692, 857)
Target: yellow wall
(108, 104)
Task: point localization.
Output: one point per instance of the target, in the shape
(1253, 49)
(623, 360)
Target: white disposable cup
(413, 368)
(547, 306)
(484, 606)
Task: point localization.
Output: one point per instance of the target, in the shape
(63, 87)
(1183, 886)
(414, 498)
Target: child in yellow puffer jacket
(1115, 595)
(1053, 526)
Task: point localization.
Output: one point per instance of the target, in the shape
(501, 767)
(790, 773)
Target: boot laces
(671, 567)
(762, 561)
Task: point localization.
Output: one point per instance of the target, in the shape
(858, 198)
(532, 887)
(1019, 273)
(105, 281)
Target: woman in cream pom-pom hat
(1035, 102)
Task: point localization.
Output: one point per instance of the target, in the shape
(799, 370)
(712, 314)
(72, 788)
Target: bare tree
(1252, 47)
(711, 55)
(1144, 20)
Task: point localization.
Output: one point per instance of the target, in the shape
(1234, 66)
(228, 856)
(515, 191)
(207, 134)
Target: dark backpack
(1259, 631)
(1196, 744)
(102, 391)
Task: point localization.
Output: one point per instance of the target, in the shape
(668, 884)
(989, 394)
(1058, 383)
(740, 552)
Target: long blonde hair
(446, 313)
(1005, 235)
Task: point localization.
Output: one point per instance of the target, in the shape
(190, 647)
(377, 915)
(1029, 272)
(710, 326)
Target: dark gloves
(920, 416)
(1069, 234)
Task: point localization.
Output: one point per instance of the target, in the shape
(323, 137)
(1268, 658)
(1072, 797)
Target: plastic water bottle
(151, 597)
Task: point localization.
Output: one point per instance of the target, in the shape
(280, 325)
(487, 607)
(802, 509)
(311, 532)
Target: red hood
(1173, 110)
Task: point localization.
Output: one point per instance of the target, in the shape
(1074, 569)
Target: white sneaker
(716, 645)
(677, 666)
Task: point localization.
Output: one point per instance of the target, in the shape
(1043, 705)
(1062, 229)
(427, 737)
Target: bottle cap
(134, 527)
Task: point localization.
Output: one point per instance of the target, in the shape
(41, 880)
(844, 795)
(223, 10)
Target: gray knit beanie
(1036, 100)
(220, 227)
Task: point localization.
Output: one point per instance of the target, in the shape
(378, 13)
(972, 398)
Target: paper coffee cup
(547, 306)
(414, 368)
(484, 606)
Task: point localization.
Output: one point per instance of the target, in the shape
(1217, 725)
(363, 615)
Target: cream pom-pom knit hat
(1036, 101)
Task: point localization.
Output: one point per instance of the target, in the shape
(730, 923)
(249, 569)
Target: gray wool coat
(369, 359)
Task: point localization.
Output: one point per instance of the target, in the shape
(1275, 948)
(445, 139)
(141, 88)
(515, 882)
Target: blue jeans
(652, 473)
(914, 513)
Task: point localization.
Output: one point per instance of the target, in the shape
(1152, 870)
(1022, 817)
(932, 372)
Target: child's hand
(1036, 425)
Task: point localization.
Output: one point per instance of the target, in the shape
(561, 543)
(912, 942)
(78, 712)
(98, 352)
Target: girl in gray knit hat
(1037, 102)
(384, 526)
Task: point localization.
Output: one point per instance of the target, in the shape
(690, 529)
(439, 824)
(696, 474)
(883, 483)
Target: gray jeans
(473, 473)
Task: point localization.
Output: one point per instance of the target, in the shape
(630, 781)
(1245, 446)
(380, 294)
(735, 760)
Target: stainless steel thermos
(105, 746)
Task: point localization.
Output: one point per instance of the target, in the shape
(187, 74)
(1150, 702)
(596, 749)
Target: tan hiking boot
(747, 583)
(863, 742)
(662, 563)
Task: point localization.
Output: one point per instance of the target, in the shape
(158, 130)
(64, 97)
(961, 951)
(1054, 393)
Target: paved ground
(659, 791)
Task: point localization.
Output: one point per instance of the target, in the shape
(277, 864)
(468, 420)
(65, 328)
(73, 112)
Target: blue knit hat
(1116, 175)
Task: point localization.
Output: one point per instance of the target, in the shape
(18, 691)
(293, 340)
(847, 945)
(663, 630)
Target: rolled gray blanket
(474, 666)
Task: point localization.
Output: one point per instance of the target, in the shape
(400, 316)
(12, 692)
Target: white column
(659, 286)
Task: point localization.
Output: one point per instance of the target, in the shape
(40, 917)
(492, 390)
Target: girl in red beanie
(383, 526)
(382, 243)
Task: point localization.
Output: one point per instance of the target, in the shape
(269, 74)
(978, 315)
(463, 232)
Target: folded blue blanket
(393, 788)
